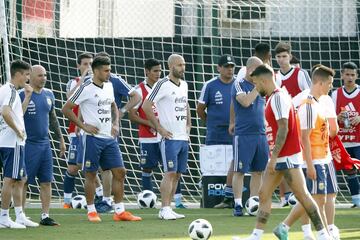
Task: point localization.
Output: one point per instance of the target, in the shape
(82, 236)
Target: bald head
(176, 66)
(37, 77)
(251, 64)
(174, 59)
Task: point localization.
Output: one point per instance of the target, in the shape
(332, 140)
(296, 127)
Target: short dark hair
(103, 54)
(294, 60)
(151, 62)
(262, 49)
(321, 71)
(100, 61)
(19, 66)
(349, 65)
(81, 56)
(262, 70)
(282, 47)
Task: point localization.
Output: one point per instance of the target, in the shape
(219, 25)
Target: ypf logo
(216, 189)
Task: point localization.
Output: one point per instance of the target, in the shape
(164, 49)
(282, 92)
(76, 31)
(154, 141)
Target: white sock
(286, 226)
(322, 234)
(18, 211)
(107, 200)
(44, 215)
(119, 207)
(91, 208)
(238, 201)
(166, 208)
(4, 214)
(67, 195)
(306, 229)
(257, 233)
(99, 191)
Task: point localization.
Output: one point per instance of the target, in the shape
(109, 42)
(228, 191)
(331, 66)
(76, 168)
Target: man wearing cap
(250, 147)
(215, 98)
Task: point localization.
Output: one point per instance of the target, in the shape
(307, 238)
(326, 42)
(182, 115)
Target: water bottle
(346, 119)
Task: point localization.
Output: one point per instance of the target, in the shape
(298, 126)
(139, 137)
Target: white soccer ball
(146, 199)
(200, 229)
(79, 201)
(252, 205)
(292, 200)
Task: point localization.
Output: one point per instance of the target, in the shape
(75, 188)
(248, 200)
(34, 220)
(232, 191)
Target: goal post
(53, 32)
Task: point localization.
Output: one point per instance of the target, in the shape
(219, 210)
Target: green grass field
(74, 225)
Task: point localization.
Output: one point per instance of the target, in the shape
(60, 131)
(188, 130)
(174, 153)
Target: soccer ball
(252, 205)
(292, 200)
(146, 199)
(200, 229)
(79, 201)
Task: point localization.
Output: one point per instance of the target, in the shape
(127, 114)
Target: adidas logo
(96, 95)
(350, 107)
(218, 94)
(173, 93)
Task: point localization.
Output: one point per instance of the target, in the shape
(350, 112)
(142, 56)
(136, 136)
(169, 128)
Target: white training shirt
(95, 106)
(171, 103)
(10, 97)
(303, 77)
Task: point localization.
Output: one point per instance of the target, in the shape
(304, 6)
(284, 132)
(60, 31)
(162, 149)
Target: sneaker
(334, 233)
(166, 214)
(177, 215)
(226, 203)
(11, 224)
(67, 206)
(48, 222)
(238, 211)
(93, 217)
(281, 232)
(103, 207)
(26, 222)
(126, 216)
(284, 204)
(180, 206)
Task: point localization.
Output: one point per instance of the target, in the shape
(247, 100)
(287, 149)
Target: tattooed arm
(55, 126)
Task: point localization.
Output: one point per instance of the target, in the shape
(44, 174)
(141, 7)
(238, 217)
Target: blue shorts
(285, 166)
(150, 155)
(101, 152)
(39, 162)
(251, 153)
(13, 162)
(174, 155)
(332, 185)
(75, 150)
(354, 152)
(318, 186)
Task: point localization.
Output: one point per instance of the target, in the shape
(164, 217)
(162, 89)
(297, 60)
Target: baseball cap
(226, 60)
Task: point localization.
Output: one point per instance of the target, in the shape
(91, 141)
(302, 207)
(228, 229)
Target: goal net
(53, 32)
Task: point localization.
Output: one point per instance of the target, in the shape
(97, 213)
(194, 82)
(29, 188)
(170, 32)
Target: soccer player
(38, 117)
(84, 61)
(101, 126)
(347, 102)
(214, 109)
(294, 79)
(250, 146)
(170, 95)
(315, 142)
(12, 141)
(262, 51)
(286, 158)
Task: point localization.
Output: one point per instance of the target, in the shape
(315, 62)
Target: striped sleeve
(80, 94)
(12, 97)
(157, 92)
(203, 99)
(280, 106)
(238, 87)
(304, 79)
(307, 116)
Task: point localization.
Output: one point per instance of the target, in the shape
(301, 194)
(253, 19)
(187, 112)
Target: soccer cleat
(26, 222)
(126, 216)
(166, 214)
(180, 206)
(103, 207)
(67, 206)
(281, 232)
(226, 203)
(93, 217)
(334, 233)
(48, 222)
(177, 215)
(284, 204)
(11, 224)
(238, 211)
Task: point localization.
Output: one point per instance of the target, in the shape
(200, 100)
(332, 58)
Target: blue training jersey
(215, 94)
(36, 117)
(121, 88)
(248, 120)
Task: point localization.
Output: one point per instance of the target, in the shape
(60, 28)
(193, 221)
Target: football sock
(229, 192)
(69, 183)
(67, 198)
(238, 201)
(146, 179)
(99, 191)
(119, 208)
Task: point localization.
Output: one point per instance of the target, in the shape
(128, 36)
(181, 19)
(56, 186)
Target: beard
(178, 74)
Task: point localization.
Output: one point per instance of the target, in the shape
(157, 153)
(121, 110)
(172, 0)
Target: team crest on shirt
(170, 164)
(321, 186)
(21, 172)
(72, 155)
(240, 165)
(49, 102)
(143, 160)
(87, 163)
